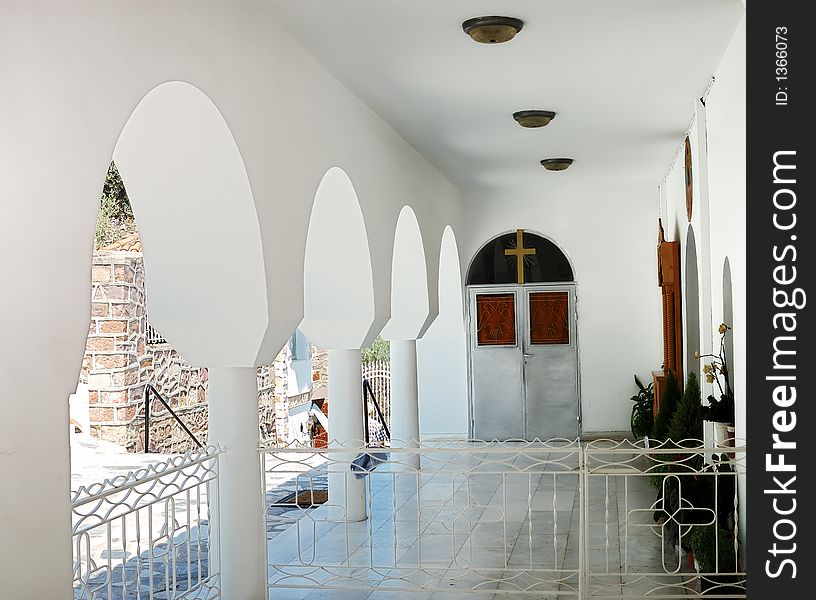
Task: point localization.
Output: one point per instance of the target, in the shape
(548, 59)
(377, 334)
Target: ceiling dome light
(556, 164)
(492, 30)
(533, 118)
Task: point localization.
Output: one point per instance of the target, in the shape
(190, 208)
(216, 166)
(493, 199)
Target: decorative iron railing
(473, 517)
(554, 519)
(152, 336)
(150, 394)
(145, 535)
(663, 521)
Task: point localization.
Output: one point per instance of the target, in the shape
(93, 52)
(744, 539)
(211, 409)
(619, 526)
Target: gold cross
(519, 252)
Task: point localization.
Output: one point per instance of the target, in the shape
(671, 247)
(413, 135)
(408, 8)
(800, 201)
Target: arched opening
(177, 172)
(195, 269)
(728, 318)
(523, 340)
(338, 302)
(442, 353)
(127, 362)
(338, 285)
(692, 303)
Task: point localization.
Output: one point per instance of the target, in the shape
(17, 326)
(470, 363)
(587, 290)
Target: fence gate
(644, 507)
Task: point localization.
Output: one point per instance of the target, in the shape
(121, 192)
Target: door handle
(528, 355)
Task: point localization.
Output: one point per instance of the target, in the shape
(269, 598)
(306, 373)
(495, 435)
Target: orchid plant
(719, 410)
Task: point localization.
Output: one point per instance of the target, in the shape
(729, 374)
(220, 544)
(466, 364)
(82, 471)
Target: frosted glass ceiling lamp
(556, 164)
(533, 118)
(492, 30)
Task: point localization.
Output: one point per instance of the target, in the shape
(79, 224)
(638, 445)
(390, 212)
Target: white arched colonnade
(238, 298)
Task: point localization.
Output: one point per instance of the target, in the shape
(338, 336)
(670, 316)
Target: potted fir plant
(720, 411)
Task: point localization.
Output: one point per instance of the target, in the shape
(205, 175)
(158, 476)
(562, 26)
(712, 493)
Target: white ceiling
(621, 74)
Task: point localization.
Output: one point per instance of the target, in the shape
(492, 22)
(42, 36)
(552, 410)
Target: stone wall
(116, 362)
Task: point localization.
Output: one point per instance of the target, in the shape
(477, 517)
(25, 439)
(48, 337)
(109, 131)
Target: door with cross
(523, 343)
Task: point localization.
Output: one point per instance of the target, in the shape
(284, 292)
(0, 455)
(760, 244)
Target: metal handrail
(149, 388)
(368, 392)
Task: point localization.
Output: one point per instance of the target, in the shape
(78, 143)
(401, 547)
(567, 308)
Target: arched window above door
(496, 262)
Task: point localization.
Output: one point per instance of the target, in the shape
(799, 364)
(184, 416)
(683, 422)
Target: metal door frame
(520, 292)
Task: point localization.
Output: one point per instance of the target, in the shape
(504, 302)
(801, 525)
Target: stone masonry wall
(115, 353)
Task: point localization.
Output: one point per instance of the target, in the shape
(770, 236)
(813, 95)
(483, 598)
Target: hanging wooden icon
(689, 180)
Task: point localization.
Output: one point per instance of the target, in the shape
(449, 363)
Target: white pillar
(346, 492)
(404, 400)
(35, 468)
(239, 540)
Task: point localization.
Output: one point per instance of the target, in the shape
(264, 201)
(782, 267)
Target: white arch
(451, 301)
(338, 286)
(442, 353)
(196, 217)
(409, 280)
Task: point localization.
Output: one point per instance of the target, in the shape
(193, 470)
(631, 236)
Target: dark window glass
(493, 265)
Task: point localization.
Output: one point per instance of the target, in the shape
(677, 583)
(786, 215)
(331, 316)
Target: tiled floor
(475, 533)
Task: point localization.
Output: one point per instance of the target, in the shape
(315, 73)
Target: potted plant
(642, 419)
(720, 411)
(715, 559)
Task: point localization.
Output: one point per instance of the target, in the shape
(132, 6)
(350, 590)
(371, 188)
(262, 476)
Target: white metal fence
(554, 519)
(476, 517)
(647, 507)
(145, 535)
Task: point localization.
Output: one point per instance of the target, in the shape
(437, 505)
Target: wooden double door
(523, 362)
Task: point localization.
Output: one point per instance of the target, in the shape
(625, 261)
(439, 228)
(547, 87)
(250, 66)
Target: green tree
(378, 351)
(687, 421)
(668, 404)
(115, 219)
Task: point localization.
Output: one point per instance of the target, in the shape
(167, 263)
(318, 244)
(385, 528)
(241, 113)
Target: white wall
(609, 232)
(442, 355)
(724, 118)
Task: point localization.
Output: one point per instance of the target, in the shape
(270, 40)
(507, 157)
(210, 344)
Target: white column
(404, 399)
(346, 430)
(239, 540)
(35, 468)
